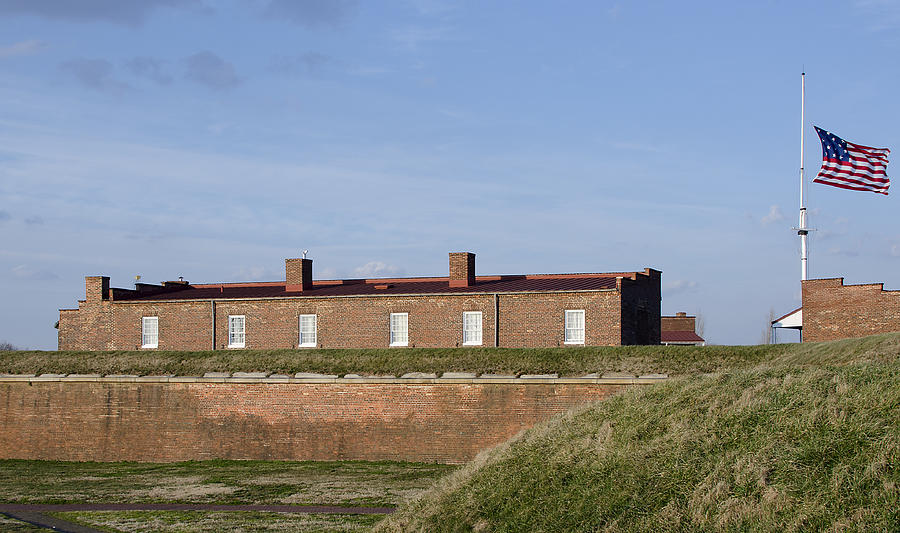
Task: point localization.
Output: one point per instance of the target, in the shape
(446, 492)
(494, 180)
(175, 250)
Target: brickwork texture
(162, 422)
(832, 310)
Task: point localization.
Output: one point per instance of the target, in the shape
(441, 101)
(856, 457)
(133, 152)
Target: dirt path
(49, 522)
(34, 513)
(51, 508)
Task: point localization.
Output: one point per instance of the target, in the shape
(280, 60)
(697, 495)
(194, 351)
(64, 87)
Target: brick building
(680, 329)
(832, 310)
(461, 309)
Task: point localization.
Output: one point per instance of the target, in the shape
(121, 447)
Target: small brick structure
(163, 419)
(680, 329)
(832, 310)
(519, 311)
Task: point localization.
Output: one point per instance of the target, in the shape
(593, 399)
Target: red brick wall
(108, 325)
(526, 320)
(160, 422)
(678, 323)
(832, 310)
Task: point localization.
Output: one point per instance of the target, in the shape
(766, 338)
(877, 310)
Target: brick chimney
(462, 269)
(96, 288)
(298, 274)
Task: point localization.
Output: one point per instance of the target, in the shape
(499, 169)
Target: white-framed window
(399, 329)
(307, 330)
(472, 328)
(149, 332)
(236, 332)
(575, 326)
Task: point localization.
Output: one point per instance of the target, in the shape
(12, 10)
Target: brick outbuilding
(832, 310)
(461, 309)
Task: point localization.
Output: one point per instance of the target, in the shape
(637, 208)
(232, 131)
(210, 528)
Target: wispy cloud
(311, 13)
(206, 68)
(150, 68)
(837, 250)
(432, 7)
(23, 48)
(375, 269)
(4, 216)
(25, 272)
(35, 220)
(679, 286)
(115, 11)
(774, 215)
(94, 74)
(256, 273)
(307, 63)
(638, 147)
(880, 15)
(369, 71)
(413, 37)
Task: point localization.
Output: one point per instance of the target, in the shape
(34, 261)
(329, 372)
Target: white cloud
(97, 74)
(116, 11)
(312, 13)
(22, 48)
(374, 269)
(256, 273)
(680, 285)
(206, 68)
(774, 215)
(412, 37)
(28, 273)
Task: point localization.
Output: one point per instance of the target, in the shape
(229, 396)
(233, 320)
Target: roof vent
(383, 286)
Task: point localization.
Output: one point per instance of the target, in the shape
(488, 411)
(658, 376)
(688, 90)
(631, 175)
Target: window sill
(149, 346)
(399, 344)
(574, 343)
(308, 345)
(471, 344)
(235, 346)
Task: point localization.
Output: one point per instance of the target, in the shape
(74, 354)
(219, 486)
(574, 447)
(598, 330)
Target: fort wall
(163, 419)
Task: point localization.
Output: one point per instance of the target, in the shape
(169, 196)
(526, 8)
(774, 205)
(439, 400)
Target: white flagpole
(802, 230)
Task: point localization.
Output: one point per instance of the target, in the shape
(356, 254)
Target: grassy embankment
(809, 441)
(763, 438)
(567, 361)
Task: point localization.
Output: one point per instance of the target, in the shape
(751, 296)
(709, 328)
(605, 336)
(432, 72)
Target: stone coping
(347, 379)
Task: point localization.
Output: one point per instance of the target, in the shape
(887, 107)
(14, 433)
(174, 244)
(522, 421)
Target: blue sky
(212, 139)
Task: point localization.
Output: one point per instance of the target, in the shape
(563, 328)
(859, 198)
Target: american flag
(852, 166)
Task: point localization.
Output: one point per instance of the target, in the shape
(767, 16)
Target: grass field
(214, 522)
(8, 525)
(347, 483)
(807, 442)
(569, 361)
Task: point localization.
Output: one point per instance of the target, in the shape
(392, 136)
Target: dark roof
(376, 287)
(679, 336)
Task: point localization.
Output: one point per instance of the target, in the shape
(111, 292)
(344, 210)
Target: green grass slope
(567, 361)
(810, 442)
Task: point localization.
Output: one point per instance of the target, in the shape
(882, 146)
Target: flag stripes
(852, 166)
